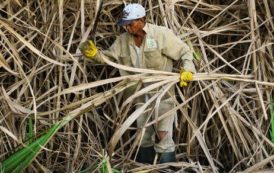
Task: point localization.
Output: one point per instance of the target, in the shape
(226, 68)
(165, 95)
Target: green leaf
(115, 170)
(22, 158)
(104, 166)
(196, 52)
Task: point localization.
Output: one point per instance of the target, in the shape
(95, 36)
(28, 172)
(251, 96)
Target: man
(153, 47)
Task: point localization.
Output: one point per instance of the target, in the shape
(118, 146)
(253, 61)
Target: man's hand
(88, 49)
(185, 76)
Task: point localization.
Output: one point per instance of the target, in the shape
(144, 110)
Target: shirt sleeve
(112, 53)
(176, 49)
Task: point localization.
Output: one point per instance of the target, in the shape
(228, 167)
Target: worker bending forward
(155, 47)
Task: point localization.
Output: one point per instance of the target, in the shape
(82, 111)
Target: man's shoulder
(122, 37)
(157, 29)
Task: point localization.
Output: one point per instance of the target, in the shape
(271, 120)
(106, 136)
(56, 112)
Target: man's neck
(139, 37)
(140, 34)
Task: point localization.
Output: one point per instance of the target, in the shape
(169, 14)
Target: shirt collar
(145, 28)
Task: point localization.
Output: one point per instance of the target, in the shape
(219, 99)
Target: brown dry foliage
(223, 124)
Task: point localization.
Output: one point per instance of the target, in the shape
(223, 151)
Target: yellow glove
(88, 49)
(185, 76)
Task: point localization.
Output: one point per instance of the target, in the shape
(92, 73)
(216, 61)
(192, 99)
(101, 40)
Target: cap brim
(122, 22)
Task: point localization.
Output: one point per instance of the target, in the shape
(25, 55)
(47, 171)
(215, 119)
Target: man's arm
(177, 49)
(90, 51)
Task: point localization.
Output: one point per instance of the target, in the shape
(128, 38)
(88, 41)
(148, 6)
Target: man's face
(134, 27)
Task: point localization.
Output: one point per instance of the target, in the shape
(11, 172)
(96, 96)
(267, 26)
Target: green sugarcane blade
(104, 166)
(196, 52)
(115, 170)
(22, 158)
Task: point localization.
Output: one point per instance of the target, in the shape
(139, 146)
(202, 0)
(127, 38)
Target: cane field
(61, 112)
